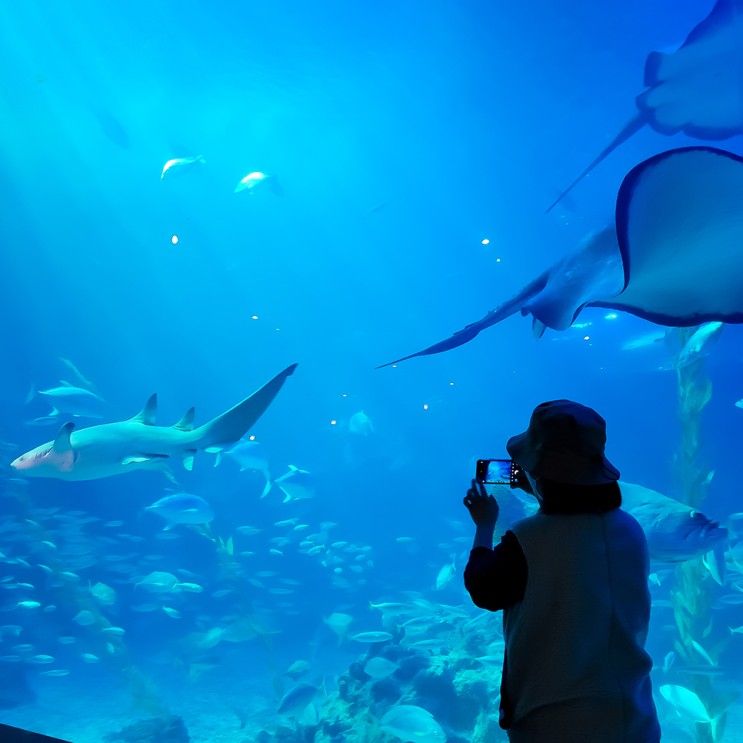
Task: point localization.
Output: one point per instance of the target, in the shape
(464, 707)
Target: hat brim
(560, 466)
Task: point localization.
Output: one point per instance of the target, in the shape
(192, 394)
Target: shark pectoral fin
(146, 416)
(186, 423)
(188, 460)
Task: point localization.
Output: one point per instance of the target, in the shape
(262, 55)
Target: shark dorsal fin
(147, 414)
(186, 423)
(62, 443)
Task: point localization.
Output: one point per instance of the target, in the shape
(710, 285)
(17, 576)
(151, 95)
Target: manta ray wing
(679, 218)
(698, 89)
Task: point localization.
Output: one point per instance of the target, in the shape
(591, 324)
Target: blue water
(402, 135)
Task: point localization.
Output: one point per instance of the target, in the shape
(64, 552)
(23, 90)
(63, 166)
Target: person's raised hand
(482, 506)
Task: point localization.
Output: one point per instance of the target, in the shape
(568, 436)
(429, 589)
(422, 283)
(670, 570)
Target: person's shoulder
(628, 521)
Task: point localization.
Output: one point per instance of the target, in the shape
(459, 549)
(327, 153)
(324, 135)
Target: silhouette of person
(572, 581)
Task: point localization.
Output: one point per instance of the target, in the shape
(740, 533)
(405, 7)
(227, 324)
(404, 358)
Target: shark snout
(20, 463)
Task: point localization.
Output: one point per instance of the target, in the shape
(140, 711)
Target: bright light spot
(497, 260)
(344, 394)
(451, 384)
(611, 316)
(586, 337)
(333, 421)
(254, 317)
(394, 366)
(174, 240)
(485, 241)
(425, 406)
(251, 437)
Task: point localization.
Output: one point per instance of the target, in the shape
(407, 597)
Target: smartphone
(497, 472)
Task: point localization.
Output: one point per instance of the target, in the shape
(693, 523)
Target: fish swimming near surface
(68, 400)
(255, 179)
(249, 455)
(181, 163)
(695, 89)
(695, 347)
(678, 218)
(136, 444)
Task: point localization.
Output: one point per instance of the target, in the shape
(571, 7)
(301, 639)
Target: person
(572, 581)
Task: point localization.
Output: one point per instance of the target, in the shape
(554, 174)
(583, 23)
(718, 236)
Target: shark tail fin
(235, 422)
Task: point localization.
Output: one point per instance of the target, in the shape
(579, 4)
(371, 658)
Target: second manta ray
(673, 257)
(136, 444)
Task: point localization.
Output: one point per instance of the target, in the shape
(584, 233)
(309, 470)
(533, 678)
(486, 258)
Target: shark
(116, 448)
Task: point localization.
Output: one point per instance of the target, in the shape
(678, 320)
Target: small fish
(694, 347)
(445, 575)
(28, 604)
(297, 669)
(296, 699)
(668, 661)
(739, 404)
(182, 508)
(248, 530)
(68, 400)
(114, 631)
(372, 637)
(171, 612)
(181, 163)
(297, 484)
(158, 581)
(254, 179)
(103, 593)
(41, 659)
(644, 341)
(339, 623)
(360, 424)
(90, 657)
(688, 705)
(85, 618)
(190, 587)
(702, 652)
(55, 673)
(379, 668)
(249, 455)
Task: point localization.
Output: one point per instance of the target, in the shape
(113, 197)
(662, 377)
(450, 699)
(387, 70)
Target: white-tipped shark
(135, 444)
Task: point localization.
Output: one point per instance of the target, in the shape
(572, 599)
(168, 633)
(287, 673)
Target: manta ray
(674, 255)
(136, 444)
(698, 89)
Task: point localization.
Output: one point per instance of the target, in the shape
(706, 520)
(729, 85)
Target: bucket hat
(565, 443)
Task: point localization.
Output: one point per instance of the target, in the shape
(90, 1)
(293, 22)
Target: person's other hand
(483, 507)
